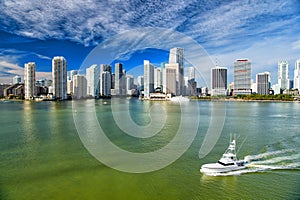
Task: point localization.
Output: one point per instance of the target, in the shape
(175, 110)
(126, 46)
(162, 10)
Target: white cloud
(213, 22)
(9, 70)
(296, 45)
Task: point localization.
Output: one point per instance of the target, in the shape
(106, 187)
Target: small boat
(179, 99)
(227, 163)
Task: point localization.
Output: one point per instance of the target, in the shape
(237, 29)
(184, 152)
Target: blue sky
(265, 32)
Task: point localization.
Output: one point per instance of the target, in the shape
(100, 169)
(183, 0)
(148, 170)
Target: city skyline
(227, 30)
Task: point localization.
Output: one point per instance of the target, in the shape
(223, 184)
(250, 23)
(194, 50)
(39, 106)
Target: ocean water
(43, 156)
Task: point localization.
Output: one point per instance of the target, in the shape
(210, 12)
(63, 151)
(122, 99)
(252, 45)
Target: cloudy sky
(265, 32)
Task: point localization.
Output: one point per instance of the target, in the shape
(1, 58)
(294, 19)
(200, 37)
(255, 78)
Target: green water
(42, 156)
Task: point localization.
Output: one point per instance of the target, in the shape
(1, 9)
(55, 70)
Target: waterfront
(42, 156)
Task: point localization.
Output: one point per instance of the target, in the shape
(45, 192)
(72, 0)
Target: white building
(140, 81)
(59, 77)
(176, 56)
(17, 79)
(79, 86)
(72, 73)
(70, 87)
(242, 77)
(253, 86)
(129, 82)
(92, 78)
(283, 75)
(148, 79)
(157, 78)
(169, 79)
(297, 75)
(29, 80)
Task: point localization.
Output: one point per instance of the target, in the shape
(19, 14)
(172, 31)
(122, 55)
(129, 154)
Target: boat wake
(273, 160)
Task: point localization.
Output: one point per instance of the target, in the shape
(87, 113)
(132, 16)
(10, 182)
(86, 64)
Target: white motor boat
(227, 163)
(179, 99)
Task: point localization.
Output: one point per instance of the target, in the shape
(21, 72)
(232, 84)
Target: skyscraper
(242, 77)
(17, 79)
(176, 56)
(29, 80)
(157, 78)
(218, 81)
(148, 79)
(191, 73)
(59, 77)
(169, 80)
(297, 75)
(283, 75)
(92, 78)
(129, 82)
(72, 73)
(105, 84)
(263, 82)
(104, 68)
(192, 85)
(79, 86)
(118, 79)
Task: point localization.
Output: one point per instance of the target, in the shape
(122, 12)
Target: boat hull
(215, 168)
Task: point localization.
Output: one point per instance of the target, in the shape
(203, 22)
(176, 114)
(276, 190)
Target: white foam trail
(272, 167)
(267, 154)
(277, 159)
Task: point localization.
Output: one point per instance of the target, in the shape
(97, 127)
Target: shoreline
(191, 99)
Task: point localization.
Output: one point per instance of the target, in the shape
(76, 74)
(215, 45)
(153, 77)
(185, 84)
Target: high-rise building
(72, 73)
(148, 79)
(29, 80)
(140, 81)
(105, 84)
(70, 87)
(176, 56)
(107, 79)
(192, 84)
(104, 68)
(157, 78)
(283, 75)
(297, 75)
(129, 82)
(169, 80)
(59, 77)
(118, 79)
(242, 77)
(79, 86)
(92, 78)
(123, 82)
(17, 79)
(191, 73)
(218, 81)
(263, 83)
(169, 75)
